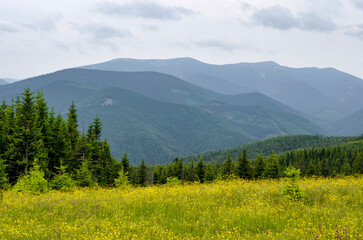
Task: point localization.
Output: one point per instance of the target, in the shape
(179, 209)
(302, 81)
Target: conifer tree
(26, 138)
(201, 170)
(227, 167)
(357, 167)
(84, 175)
(259, 167)
(142, 174)
(310, 171)
(122, 180)
(4, 181)
(73, 156)
(209, 173)
(125, 163)
(272, 167)
(244, 166)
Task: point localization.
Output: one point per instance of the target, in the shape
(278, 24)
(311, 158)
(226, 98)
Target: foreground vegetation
(237, 209)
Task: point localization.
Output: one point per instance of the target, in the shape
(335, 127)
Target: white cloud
(143, 9)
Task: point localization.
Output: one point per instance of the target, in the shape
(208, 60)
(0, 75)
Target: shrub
(292, 189)
(172, 181)
(122, 181)
(63, 181)
(34, 182)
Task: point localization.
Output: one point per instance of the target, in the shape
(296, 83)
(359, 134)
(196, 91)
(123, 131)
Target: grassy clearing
(223, 210)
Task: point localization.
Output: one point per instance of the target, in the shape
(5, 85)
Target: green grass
(222, 210)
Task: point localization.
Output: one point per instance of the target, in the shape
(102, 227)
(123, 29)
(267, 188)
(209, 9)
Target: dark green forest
(35, 139)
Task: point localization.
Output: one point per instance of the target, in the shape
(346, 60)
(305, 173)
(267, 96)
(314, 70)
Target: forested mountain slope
(326, 94)
(265, 147)
(249, 116)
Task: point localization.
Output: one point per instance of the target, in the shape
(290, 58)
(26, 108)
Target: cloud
(212, 43)
(358, 3)
(7, 27)
(282, 18)
(355, 31)
(144, 9)
(102, 32)
(312, 21)
(276, 17)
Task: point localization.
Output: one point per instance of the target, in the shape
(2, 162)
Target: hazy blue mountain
(271, 118)
(160, 99)
(351, 125)
(326, 94)
(2, 82)
(145, 127)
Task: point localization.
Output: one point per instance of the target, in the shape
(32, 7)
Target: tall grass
(236, 209)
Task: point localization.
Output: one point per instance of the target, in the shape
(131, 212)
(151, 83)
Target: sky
(38, 37)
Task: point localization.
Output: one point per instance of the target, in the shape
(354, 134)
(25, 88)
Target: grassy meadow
(237, 209)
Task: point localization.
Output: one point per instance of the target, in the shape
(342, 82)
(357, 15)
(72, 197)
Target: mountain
(351, 125)
(2, 82)
(254, 113)
(265, 147)
(326, 94)
(220, 120)
(142, 126)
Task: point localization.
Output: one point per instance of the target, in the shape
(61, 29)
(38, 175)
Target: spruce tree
(201, 170)
(209, 173)
(259, 167)
(84, 175)
(142, 174)
(26, 137)
(227, 170)
(272, 167)
(244, 166)
(125, 163)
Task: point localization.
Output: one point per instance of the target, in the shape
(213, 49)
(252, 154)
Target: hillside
(2, 82)
(265, 147)
(145, 127)
(254, 113)
(155, 130)
(351, 125)
(326, 94)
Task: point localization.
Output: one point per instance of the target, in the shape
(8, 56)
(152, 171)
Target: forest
(39, 147)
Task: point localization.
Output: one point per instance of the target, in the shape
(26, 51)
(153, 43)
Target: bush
(63, 181)
(34, 182)
(292, 189)
(172, 181)
(122, 181)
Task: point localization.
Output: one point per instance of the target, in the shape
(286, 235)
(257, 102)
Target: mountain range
(2, 82)
(326, 95)
(157, 116)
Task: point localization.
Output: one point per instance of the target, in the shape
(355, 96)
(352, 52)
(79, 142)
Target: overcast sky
(38, 36)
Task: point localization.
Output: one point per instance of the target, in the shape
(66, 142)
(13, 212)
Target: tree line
(32, 136)
(36, 142)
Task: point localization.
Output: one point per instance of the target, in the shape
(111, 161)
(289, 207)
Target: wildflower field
(237, 209)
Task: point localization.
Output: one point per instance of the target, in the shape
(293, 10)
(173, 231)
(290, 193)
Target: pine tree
(200, 170)
(209, 173)
(4, 181)
(244, 166)
(125, 163)
(357, 167)
(142, 174)
(227, 167)
(26, 138)
(122, 180)
(311, 170)
(272, 167)
(259, 167)
(72, 160)
(84, 175)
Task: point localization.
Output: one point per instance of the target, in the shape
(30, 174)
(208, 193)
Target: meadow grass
(234, 209)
